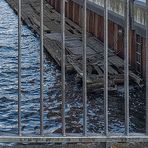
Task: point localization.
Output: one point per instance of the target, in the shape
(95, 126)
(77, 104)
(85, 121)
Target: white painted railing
(117, 6)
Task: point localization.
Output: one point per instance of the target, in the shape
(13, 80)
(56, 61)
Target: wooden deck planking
(74, 48)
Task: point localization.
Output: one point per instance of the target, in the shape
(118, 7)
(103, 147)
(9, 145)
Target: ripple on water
(52, 90)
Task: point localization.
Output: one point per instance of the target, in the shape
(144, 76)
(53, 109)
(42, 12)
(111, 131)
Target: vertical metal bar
(19, 68)
(126, 66)
(106, 64)
(84, 68)
(63, 63)
(41, 68)
(146, 76)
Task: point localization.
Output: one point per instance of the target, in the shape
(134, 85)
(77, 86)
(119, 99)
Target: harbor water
(52, 90)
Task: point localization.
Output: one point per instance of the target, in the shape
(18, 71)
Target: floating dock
(74, 46)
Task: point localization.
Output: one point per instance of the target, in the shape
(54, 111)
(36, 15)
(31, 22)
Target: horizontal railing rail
(75, 138)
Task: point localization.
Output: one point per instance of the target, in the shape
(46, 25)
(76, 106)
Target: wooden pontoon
(74, 49)
(95, 60)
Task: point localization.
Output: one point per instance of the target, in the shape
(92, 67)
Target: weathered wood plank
(74, 45)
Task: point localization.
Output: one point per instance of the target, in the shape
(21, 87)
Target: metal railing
(85, 137)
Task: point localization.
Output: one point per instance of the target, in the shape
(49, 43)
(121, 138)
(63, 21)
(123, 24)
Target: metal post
(146, 66)
(106, 64)
(84, 69)
(126, 66)
(63, 63)
(19, 68)
(41, 68)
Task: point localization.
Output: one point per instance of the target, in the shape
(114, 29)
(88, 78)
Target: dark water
(52, 90)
